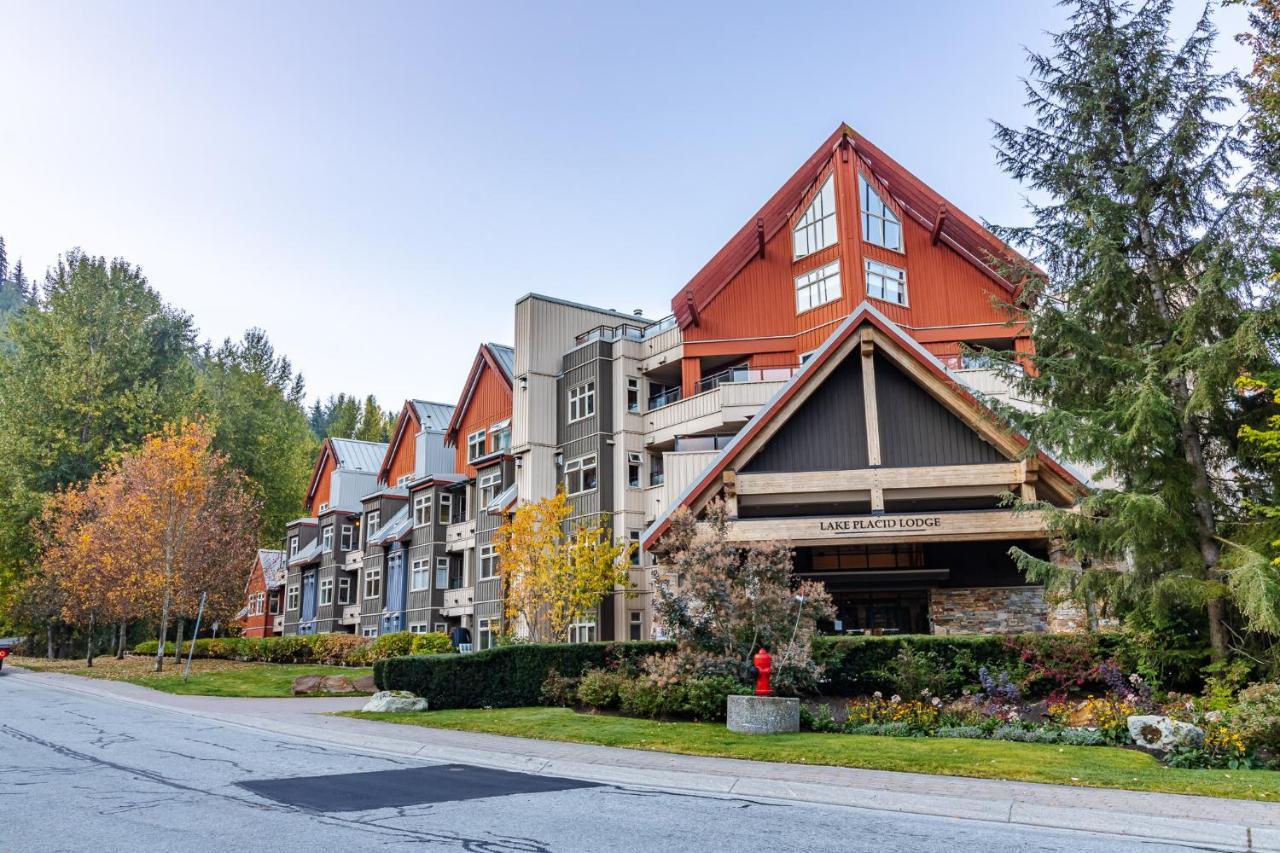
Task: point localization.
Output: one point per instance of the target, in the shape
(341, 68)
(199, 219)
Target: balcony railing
(610, 333)
(666, 398)
(742, 373)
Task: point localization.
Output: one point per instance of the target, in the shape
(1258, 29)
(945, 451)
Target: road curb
(1218, 835)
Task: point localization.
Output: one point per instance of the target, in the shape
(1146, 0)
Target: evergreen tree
(96, 364)
(255, 402)
(375, 424)
(344, 418)
(26, 289)
(1148, 312)
(4, 262)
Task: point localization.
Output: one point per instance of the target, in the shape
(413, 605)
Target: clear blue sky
(376, 183)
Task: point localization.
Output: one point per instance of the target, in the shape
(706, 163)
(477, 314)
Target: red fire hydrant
(764, 670)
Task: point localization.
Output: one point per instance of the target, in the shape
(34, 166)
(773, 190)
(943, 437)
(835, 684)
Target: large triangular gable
(326, 458)
(817, 421)
(406, 425)
(489, 357)
(909, 195)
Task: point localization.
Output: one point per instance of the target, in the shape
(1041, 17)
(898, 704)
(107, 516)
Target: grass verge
(208, 677)
(1084, 766)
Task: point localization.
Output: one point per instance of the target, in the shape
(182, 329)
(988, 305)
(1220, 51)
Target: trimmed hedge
(504, 677)
(335, 649)
(1041, 663)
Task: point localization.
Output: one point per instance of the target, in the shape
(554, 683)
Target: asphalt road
(80, 773)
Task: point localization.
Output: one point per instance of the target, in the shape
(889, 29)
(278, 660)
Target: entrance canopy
(874, 443)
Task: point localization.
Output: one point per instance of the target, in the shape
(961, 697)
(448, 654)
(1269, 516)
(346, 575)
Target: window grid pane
(818, 287)
(886, 282)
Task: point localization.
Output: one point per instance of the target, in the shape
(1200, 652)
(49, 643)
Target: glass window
(582, 401)
(419, 575)
(818, 287)
(442, 572)
(372, 583)
(292, 602)
(374, 522)
(656, 474)
(344, 590)
(326, 538)
(293, 546)
(323, 508)
(422, 509)
(274, 603)
(633, 394)
(635, 550)
(326, 591)
(475, 445)
(633, 470)
(636, 625)
(403, 479)
(446, 507)
(817, 226)
(484, 633)
(418, 628)
(488, 562)
(886, 282)
(580, 475)
(500, 437)
(369, 631)
(490, 485)
(879, 226)
(347, 538)
(582, 632)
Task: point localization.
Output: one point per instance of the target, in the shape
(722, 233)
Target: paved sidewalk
(1215, 823)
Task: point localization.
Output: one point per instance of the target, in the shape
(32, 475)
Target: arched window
(817, 227)
(879, 226)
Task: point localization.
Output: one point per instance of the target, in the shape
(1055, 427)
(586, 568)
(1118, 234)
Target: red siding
(405, 456)
(754, 315)
(321, 494)
(258, 625)
(490, 403)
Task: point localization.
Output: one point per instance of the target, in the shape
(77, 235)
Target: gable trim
(906, 354)
(407, 414)
(484, 360)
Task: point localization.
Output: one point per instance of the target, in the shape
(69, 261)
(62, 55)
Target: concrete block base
(763, 715)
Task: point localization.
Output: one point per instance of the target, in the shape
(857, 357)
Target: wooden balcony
(722, 409)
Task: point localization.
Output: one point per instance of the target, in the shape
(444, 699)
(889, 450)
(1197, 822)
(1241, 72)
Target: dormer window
(475, 445)
(817, 227)
(879, 226)
(372, 520)
(323, 509)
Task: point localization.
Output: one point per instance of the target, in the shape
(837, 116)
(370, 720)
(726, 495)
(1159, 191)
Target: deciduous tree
(554, 572)
(721, 601)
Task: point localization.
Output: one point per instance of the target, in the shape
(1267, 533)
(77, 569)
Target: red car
(6, 643)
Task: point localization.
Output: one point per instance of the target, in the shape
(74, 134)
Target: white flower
(877, 695)
(895, 698)
(936, 702)
(925, 692)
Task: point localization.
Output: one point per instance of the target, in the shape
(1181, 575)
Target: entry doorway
(881, 611)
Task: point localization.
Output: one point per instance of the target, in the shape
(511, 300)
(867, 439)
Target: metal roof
(433, 416)
(506, 358)
(399, 524)
(273, 567)
(356, 455)
(503, 501)
(309, 554)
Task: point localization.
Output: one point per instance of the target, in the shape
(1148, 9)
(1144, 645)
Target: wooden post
(869, 399)
(731, 493)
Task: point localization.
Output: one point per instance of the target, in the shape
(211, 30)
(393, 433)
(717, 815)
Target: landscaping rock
(337, 684)
(304, 684)
(1163, 733)
(763, 715)
(395, 701)
(365, 684)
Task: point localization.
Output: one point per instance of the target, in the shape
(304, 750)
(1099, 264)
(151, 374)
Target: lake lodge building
(812, 375)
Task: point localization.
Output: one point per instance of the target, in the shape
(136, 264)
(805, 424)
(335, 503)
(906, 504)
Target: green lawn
(1087, 766)
(208, 677)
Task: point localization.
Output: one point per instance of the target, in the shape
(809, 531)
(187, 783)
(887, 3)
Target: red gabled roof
(959, 231)
(408, 415)
(865, 313)
(485, 358)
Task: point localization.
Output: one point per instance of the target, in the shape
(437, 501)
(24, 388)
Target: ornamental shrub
(434, 643)
(707, 698)
(392, 645)
(976, 732)
(559, 691)
(599, 688)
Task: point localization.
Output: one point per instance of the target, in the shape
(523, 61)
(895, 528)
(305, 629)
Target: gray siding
(589, 363)
(827, 433)
(916, 430)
